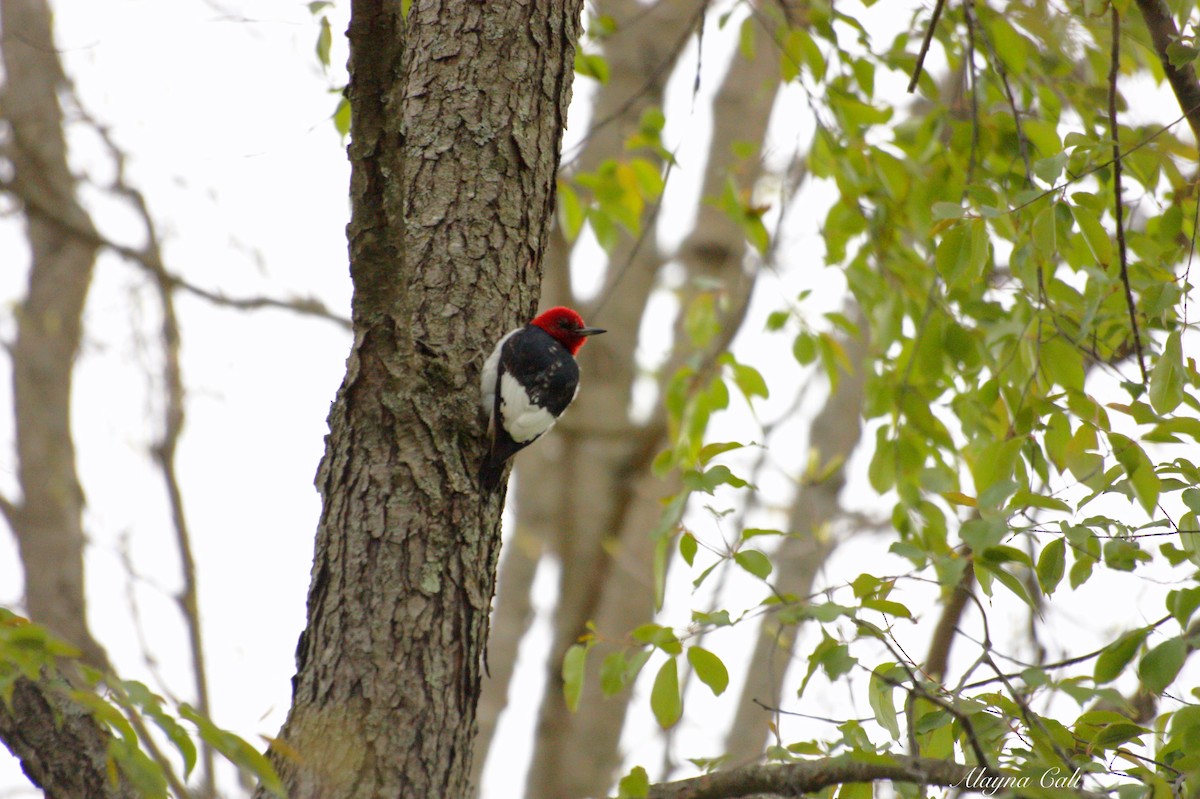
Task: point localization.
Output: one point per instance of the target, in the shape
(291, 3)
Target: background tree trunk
(48, 518)
(458, 114)
(588, 496)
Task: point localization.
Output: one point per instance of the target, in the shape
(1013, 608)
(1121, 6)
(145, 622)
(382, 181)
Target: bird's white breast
(523, 420)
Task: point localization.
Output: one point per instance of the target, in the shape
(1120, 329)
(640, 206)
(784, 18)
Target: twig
(1118, 208)
(933, 21)
(918, 688)
(1031, 718)
(1002, 73)
(305, 306)
(973, 77)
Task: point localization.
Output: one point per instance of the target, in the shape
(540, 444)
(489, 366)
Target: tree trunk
(62, 749)
(457, 120)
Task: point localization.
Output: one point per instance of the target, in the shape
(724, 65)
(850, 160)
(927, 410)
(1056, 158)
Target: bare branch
(1118, 206)
(305, 306)
(797, 779)
(933, 21)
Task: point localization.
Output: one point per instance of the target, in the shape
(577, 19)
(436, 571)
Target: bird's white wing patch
(487, 382)
(523, 420)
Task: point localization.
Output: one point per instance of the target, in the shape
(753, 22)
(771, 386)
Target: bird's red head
(566, 326)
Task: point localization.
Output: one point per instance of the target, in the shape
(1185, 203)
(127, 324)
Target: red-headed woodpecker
(535, 371)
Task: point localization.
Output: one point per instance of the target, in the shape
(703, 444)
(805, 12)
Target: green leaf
(573, 668)
(1045, 238)
(708, 480)
(1049, 169)
(591, 65)
(1051, 565)
(887, 606)
(665, 700)
(1094, 234)
(953, 254)
(1117, 655)
(945, 210)
(237, 751)
(1116, 734)
(687, 548)
(1181, 55)
(324, 42)
(880, 690)
(1007, 579)
(830, 656)
(151, 706)
(571, 212)
(341, 118)
(1159, 667)
(710, 451)
(1166, 379)
(1183, 603)
(804, 348)
(746, 38)
(709, 669)
(146, 776)
(750, 381)
(1139, 469)
(657, 635)
(754, 562)
(634, 785)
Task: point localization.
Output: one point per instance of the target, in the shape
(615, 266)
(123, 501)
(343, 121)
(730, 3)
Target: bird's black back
(526, 356)
(549, 374)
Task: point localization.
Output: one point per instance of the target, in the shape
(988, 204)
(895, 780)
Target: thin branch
(933, 21)
(657, 75)
(305, 306)
(1031, 719)
(918, 689)
(648, 227)
(1002, 73)
(811, 776)
(973, 77)
(164, 451)
(1118, 208)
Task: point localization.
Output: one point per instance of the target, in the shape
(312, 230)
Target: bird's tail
(491, 472)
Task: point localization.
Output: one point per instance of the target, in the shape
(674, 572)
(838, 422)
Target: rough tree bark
(61, 748)
(457, 119)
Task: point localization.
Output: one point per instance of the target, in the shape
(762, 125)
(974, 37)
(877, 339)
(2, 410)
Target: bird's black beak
(590, 331)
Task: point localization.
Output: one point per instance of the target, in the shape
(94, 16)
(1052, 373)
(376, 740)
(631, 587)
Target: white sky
(225, 117)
